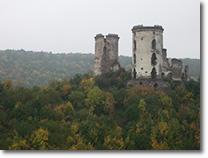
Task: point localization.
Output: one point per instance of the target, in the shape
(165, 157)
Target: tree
(114, 140)
(110, 103)
(39, 139)
(66, 88)
(139, 133)
(19, 143)
(65, 109)
(96, 100)
(87, 83)
(7, 84)
(159, 136)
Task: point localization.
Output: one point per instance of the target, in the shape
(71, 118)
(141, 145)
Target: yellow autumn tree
(114, 140)
(159, 136)
(39, 139)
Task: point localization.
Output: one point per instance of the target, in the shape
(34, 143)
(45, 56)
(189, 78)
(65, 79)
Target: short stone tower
(106, 53)
(147, 51)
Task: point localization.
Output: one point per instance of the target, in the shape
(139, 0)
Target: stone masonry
(150, 65)
(106, 53)
(149, 58)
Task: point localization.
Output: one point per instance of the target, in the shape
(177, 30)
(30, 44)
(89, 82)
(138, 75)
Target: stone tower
(106, 53)
(147, 59)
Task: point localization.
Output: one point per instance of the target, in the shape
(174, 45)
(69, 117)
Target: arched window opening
(134, 58)
(163, 75)
(134, 46)
(104, 49)
(153, 44)
(153, 73)
(153, 59)
(169, 76)
(183, 76)
(134, 74)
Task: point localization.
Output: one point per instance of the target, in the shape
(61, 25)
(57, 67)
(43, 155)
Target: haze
(64, 26)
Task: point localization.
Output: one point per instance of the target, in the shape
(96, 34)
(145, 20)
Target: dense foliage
(86, 113)
(30, 68)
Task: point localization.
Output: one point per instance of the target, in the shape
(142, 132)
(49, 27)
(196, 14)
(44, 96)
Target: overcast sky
(70, 25)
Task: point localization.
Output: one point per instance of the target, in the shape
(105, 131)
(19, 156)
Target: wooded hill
(28, 68)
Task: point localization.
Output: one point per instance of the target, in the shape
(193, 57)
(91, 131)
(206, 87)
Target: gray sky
(70, 25)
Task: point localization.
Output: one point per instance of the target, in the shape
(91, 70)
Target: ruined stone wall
(165, 63)
(185, 72)
(179, 70)
(154, 83)
(176, 68)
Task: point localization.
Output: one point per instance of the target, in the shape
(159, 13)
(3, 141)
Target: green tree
(96, 101)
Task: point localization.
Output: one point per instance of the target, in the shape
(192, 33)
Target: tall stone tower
(106, 53)
(147, 59)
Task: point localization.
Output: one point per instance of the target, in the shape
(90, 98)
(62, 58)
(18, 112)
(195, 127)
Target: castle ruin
(150, 64)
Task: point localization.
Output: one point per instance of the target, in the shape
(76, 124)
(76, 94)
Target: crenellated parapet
(147, 28)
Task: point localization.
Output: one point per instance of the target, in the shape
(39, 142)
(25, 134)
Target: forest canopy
(99, 113)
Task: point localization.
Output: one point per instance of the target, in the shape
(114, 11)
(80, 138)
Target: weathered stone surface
(155, 83)
(145, 28)
(147, 50)
(99, 53)
(149, 57)
(106, 53)
(185, 72)
(176, 67)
